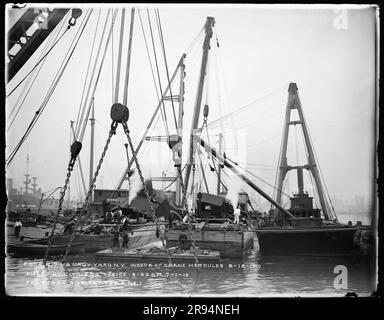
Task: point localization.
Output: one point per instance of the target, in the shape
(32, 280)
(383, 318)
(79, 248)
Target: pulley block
(119, 113)
(173, 140)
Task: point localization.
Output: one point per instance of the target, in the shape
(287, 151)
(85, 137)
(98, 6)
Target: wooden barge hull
(316, 241)
(97, 242)
(38, 250)
(138, 255)
(230, 244)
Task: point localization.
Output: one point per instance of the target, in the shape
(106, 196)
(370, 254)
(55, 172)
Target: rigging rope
(214, 170)
(157, 71)
(165, 63)
(112, 62)
(34, 75)
(173, 181)
(278, 161)
(119, 114)
(128, 64)
(48, 95)
(272, 93)
(153, 74)
(118, 67)
(86, 75)
(95, 84)
(86, 201)
(297, 147)
(332, 212)
(194, 41)
(80, 134)
(35, 66)
(254, 145)
(75, 150)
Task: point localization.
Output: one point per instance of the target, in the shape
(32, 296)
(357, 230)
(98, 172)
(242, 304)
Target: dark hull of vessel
(36, 249)
(307, 241)
(231, 244)
(121, 254)
(96, 242)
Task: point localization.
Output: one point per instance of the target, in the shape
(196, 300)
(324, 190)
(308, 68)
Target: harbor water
(254, 275)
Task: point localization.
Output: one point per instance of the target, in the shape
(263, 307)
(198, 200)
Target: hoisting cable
(119, 114)
(112, 132)
(165, 63)
(214, 170)
(47, 97)
(75, 150)
(194, 41)
(112, 62)
(49, 93)
(118, 67)
(297, 147)
(123, 120)
(148, 55)
(128, 64)
(153, 74)
(79, 162)
(96, 83)
(183, 191)
(82, 121)
(34, 75)
(40, 60)
(89, 64)
(202, 173)
(255, 176)
(206, 127)
(332, 212)
(157, 71)
(252, 174)
(274, 92)
(173, 181)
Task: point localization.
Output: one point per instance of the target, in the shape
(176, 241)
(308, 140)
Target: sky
(328, 53)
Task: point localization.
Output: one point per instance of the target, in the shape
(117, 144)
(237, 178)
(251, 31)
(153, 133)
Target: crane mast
(196, 114)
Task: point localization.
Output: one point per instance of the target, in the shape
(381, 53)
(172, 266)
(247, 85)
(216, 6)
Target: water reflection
(254, 276)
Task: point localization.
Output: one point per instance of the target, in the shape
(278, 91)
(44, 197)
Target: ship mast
(145, 137)
(180, 129)
(92, 120)
(294, 103)
(219, 166)
(195, 120)
(27, 180)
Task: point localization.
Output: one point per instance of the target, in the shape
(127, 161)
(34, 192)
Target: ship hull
(231, 244)
(96, 242)
(39, 250)
(310, 241)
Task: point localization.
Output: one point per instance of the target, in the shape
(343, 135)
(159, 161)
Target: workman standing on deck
(125, 240)
(70, 227)
(108, 217)
(116, 238)
(123, 219)
(236, 214)
(162, 231)
(118, 214)
(17, 227)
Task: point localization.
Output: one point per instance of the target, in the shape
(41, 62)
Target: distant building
(114, 197)
(50, 204)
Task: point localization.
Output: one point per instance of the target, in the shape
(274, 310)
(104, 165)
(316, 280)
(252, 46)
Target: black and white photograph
(191, 150)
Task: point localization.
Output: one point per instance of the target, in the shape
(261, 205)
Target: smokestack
(300, 180)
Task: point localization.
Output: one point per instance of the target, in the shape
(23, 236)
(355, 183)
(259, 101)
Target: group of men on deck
(123, 227)
(114, 217)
